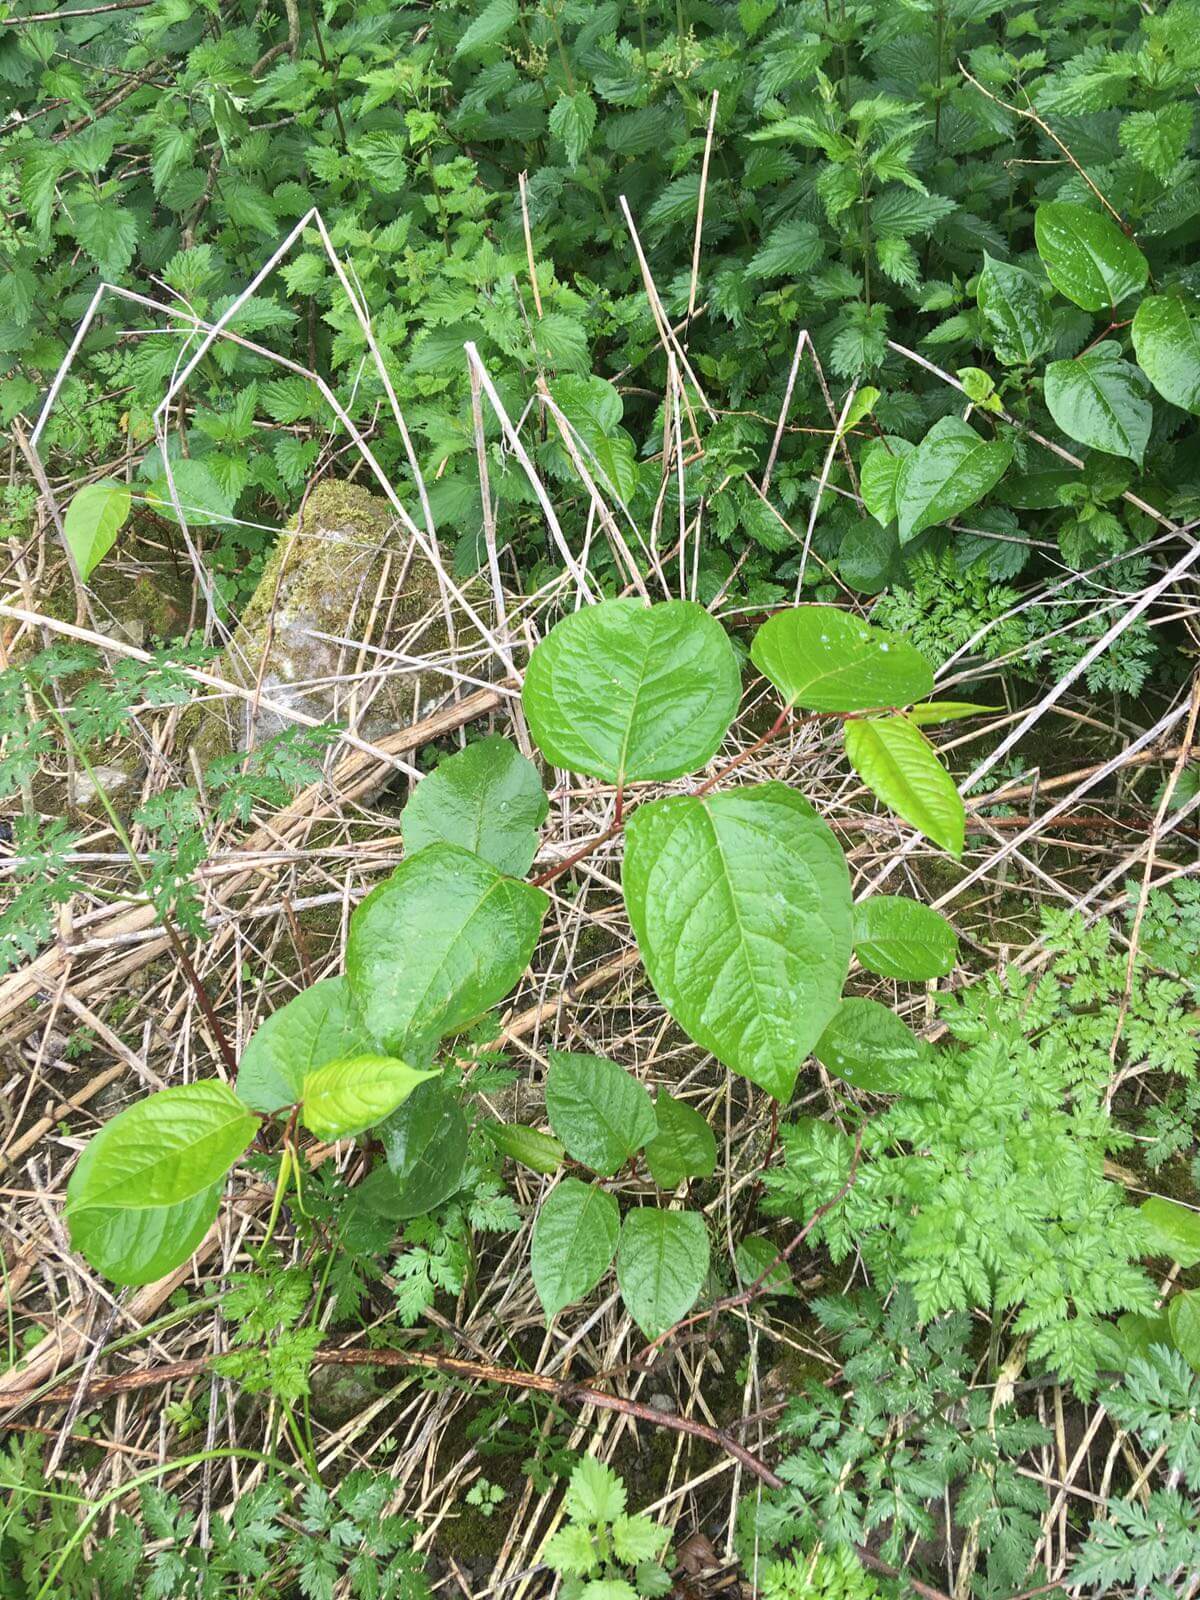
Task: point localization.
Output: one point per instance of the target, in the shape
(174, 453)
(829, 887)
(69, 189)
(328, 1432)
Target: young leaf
(425, 1147)
(600, 1112)
(344, 1098)
(869, 1046)
(488, 28)
(949, 471)
(740, 902)
(1166, 337)
(316, 1026)
(1174, 1229)
(1086, 256)
(823, 659)
(1013, 303)
(443, 939)
(1100, 400)
(878, 472)
(899, 938)
(132, 1247)
(935, 711)
(487, 798)
(529, 1146)
(574, 1241)
(683, 1147)
(897, 762)
(94, 518)
(662, 1262)
(627, 693)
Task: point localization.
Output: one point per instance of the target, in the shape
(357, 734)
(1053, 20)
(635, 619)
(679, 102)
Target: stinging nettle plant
(739, 897)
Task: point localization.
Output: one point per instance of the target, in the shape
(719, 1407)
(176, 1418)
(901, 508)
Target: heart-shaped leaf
(951, 469)
(683, 1147)
(600, 1112)
(316, 1026)
(1101, 401)
(868, 1046)
(1166, 337)
(93, 520)
(487, 798)
(662, 1262)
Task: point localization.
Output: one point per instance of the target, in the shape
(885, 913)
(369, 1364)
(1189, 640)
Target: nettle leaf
(878, 472)
(1183, 1319)
(94, 518)
(741, 907)
(574, 1241)
(1174, 1229)
(662, 1262)
(425, 1147)
(573, 120)
(600, 1112)
(528, 1146)
(1157, 140)
(684, 1146)
(896, 762)
(1086, 256)
(1166, 338)
(488, 28)
(868, 1046)
(108, 231)
(788, 250)
(1101, 401)
(317, 1026)
(1015, 313)
(344, 1098)
(823, 659)
(487, 798)
(951, 469)
(438, 944)
(899, 938)
(628, 693)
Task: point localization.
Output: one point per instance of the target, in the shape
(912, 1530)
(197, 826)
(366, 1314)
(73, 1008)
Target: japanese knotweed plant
(740, 901)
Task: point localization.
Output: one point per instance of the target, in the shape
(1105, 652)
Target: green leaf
(202, 498)
(163, 1149)
(132, 1247)
(347, 1097)
(823, 659)
(1101, 401)
(868, 1046)
(899, 938)
(1166, 337)
(108, 231)
(574, 1241)
(878, 473)
(628, 693)
(1015, 314)
(683, 1147)
(595, 1494)
(528, 1146)
(951, 469)
(662, 1262)
(94, 518)
(317, 1026)
(754, 1256)
(637, 1539)
(425, 1146)
(600, 1112)
(1137, 1331)
(488, 28)
(444, 939)
(935, 711)
(487, 798)
(1086, 255)
(788, 250)
(1158, 139)
(1174, 1229)
(741, 906)
(1183, 1319)
(573, 120)
(897, 762)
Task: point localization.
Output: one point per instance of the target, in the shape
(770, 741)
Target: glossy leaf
(627, 693)
(347, 1097)
(445, 938)
(868, 1046)
(951, 469)
(1015, 313)
(1183, 1319)
(878, 472)
(529, 1146)
(662, 1262)
(1166, 337)
(683, 1147)
(95, 516)
(899, 938)
(574, 1241)
(315, 1026)
(931, 712)
(756, 1256)
(1086, 256)
(741, 906)
(601, 1113)
(1101, 401)
(132, 1247)
(823, 659)
(896, 761)
(425, 1146)
(1174, 1229)
(487, 798)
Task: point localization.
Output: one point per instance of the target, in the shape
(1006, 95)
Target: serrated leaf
(1174, 1229)
(789, 249)
(1166, 338)
(1101, 401)
(108, 231)
(897, 762)
(595, 1493)
(601, 1113)
(488, 28)
(487, 798)
(344, 1098)
(637, 1539)
(823, 659)
(627, 693)
(316, 1026)
(1158, 140)
(1086, 255)
(573, 120)
(94, 518)
(1014, 310)
(878, 472)
(951, 469)
(574, 1241)
(438, 944)
(684, 1146)
(740, 902)
(662, 1262)
(899, 938)
(869, 1046)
